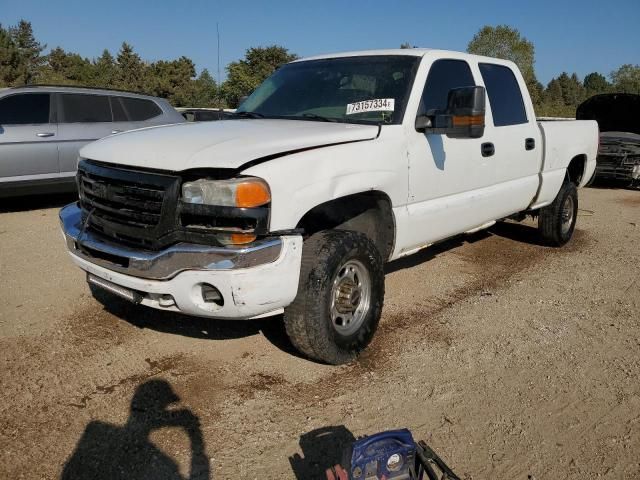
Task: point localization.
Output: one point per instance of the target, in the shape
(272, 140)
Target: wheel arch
(577, 168)
(369, 212)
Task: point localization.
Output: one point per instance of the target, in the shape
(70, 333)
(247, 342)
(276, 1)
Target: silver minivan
(43, 127)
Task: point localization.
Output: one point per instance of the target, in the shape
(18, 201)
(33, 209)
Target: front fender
(302, 181)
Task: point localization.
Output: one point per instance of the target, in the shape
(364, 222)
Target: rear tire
(340, 296)
(557, 221)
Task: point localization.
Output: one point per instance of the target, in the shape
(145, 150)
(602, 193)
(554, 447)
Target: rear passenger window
(504, 93)
(443, 76)
(24, 109)
(140, 109)
(79, 108)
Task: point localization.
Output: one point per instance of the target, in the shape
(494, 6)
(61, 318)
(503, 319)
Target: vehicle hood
(614, 112)
(221, 144)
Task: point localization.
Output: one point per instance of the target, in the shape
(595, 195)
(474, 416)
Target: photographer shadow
(321, 449)
(107, 451)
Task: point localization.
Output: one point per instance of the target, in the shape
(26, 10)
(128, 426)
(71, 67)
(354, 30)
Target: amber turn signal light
(252, 193)
(467, 120)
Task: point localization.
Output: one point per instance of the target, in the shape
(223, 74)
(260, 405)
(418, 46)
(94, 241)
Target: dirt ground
(512, 360)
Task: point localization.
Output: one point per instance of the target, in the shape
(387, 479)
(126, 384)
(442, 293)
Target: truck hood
(221, 144)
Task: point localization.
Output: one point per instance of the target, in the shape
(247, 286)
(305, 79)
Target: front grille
(130, 206)
(604, 159)
(143, 209)
(122, 202)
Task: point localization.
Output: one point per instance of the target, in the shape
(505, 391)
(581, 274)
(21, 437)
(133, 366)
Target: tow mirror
(463, 118)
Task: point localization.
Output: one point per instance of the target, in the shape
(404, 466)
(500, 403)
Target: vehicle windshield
(371, 89)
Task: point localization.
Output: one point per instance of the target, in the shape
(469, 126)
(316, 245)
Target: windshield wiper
(249, 114)
(318, 117)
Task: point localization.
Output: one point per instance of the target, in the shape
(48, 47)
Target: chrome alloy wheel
(350, 297)
(566, 214)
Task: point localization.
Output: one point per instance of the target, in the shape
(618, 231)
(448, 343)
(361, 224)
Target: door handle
(487, 149)
(529, 144)
(45, 134)
(115, 131)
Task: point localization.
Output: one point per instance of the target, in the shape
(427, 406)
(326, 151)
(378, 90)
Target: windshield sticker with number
(375, 105)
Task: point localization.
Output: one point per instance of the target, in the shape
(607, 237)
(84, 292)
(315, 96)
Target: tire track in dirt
(493, 261)
(95, 355)
(630, 201)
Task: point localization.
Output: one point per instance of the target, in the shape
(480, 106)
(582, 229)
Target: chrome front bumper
(163, 264)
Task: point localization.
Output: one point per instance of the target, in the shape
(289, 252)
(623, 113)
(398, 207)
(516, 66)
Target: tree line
(23, 61)
(563, 93)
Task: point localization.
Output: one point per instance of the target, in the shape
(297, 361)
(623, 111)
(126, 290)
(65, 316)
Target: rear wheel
(340, 296)
(557, 221)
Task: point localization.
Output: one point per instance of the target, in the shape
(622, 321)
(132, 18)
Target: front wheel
(557, 221)
(340, 296)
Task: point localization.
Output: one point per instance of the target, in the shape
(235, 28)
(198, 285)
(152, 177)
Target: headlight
(239, 192)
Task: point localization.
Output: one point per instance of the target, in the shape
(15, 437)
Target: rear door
(517, 139)
(82, 118)
(28, 136)
(444, 173)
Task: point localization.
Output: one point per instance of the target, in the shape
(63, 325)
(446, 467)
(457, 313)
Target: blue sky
(574, 36)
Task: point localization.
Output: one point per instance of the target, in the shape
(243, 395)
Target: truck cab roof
(412, 52)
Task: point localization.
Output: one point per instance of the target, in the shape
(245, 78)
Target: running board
(481, 227)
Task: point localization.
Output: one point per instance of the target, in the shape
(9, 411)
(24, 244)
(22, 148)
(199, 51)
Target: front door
(446, 175)
(28, 137)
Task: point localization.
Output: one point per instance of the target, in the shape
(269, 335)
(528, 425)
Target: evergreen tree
(130, 69)
(204, 91)
(104, 70)
(171, 79)
(8, 58)
(29, 53)
(596, 83)
(66, 69)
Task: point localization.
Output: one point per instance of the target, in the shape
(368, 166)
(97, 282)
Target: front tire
(340, 296)
(557, 221)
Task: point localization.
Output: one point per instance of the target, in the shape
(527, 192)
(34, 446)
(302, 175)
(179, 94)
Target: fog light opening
(166, 301)
(211, 294)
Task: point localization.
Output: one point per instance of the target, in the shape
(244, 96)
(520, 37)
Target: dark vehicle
(204, 114)
(619, 151)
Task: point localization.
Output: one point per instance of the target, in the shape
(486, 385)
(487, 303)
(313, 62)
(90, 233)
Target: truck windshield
(370, 89)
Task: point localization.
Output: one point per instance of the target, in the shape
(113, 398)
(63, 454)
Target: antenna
(219, 79)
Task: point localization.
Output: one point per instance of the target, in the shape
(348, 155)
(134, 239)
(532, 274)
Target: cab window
(444, 75)
(505, 97)
(25, 109)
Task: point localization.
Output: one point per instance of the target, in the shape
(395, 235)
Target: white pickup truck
(333, 166)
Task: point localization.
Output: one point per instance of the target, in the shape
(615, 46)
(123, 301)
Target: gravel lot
(512, 360)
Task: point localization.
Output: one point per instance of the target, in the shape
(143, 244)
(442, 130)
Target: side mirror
(463, 118)
(242, 99)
